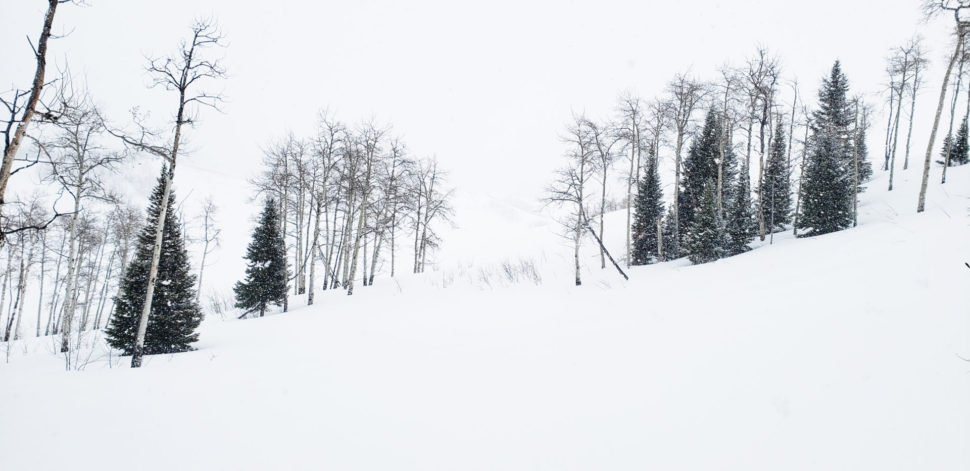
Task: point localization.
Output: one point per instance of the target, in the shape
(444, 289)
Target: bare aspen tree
(631, 135)
(761, 80)
(437, 205)
(657, 123)
(391, 172)
(22, 107)
(933, 8)
(953, 105)
(801, 172)
(920, 63)
(24, 246)
(730, 84)
(569, 187)
(78, 161)
(899, 67)
(791, 123)
(603, 138)
(402, 168)
(182, 73)
(211, 237)
(371, 139)
(684, 97)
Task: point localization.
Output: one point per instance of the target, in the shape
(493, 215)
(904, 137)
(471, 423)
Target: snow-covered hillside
(845, 351)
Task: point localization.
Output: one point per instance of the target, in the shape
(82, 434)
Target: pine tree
(827, 187)
(175, 314)
(959, 150)
(700, 168)
(946, 148)
(266, 274)
(741, 226)
(776, 185)
(649, 208)
(865, 165)
(826, 201)
(671, 247)
(705, 240)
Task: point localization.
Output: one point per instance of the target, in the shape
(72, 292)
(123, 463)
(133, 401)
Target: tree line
(736, 172)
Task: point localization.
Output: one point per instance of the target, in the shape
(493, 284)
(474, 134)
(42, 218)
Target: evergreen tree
(827, 187)
(959, 150)
(648, 209)
(175, 314)
(704, 241)
(826, 201)
(671, 246)
(865, 165)
(946, 148)
(741, 226)
(776, 186)
(266, 274)
(700, 168)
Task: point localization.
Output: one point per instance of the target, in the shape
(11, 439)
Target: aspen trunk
(892, 151)
(10, 150)
(70, 283)
(313, 252)
(921, 205)
(912, 111)
(953, 109)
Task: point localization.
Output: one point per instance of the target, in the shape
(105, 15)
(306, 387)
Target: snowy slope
(837, 352)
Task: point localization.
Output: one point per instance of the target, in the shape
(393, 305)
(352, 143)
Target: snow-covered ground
(845, 351)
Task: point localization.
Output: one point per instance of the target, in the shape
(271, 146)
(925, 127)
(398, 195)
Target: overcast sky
(486, 87)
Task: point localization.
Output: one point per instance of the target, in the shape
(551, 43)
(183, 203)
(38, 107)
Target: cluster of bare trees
(347, 197)
(958, 9)
(73, 267)
(906, 67)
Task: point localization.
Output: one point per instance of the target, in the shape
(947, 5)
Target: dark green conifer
(175, 314)
(266, 273)
(776, 186)
(704, 241)
(648, 210)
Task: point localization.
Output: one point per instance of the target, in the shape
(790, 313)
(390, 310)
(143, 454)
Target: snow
(844, 351)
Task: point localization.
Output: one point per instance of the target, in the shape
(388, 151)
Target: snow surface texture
(837, 352)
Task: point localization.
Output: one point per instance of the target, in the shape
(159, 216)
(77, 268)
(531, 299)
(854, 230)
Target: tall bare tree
(182, 73)
(933, 8)
(79, 161)
(22, 108)
(920, 62)
(684, 96)
(631, 135)
(761, 80)
(569, 187)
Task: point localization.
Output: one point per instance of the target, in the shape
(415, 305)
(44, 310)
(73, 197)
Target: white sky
(485, 87)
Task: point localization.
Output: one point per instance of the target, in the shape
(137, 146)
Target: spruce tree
(648, 209)
(175, 314)
(266, 273)
(740, 225)
(700, 168)
(827, 190)
(946, 148)
(826, 202)
(776, 186)
(865, 165)
(959, 154)
(704, 241)
(671, 246)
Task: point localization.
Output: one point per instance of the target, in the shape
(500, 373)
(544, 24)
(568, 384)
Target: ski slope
(836, 352)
